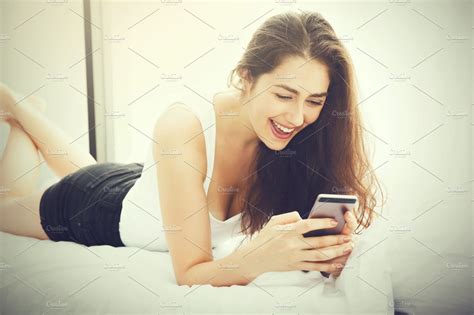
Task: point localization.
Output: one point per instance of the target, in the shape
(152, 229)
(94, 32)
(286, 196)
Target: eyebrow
(286, 87)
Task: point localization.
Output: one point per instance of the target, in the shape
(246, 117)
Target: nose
(296, 115)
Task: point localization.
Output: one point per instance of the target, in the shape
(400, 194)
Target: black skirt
(84, 207)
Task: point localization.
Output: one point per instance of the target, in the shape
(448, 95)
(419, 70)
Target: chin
(276, 145)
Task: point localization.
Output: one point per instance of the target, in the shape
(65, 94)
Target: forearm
(234, 269)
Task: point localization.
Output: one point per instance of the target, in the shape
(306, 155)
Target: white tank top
(141, 223)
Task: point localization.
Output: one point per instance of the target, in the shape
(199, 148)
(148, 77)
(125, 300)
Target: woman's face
(286, 100)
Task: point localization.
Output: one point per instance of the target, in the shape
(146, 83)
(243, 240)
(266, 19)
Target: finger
(351, 219)
(284, 218)
(336, 274)
(341, 259)
(323, 241)
(346, 230)
(338, 270)
(325, 253)
(316, 266)
(351, 223)
(307, 225)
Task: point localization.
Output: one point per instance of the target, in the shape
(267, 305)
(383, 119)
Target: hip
(85, 206)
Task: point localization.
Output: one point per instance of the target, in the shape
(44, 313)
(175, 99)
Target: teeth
(284, 129)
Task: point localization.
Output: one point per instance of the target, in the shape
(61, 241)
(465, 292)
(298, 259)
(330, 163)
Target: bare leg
(19, 166)
(59, 151)
(19, 174)
(20, 216)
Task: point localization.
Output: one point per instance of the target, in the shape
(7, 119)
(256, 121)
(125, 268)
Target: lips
(279, 133)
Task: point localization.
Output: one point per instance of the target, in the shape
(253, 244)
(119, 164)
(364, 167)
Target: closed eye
(284, 97)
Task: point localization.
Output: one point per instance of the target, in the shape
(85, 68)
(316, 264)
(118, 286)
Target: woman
(295, 133)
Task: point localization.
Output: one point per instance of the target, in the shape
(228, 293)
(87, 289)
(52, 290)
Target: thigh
(21, 216)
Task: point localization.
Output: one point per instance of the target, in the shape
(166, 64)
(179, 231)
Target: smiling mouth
(280, 131)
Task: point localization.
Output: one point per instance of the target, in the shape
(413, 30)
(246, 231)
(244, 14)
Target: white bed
(45, 277)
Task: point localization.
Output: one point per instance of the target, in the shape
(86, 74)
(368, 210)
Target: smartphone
(331, 206)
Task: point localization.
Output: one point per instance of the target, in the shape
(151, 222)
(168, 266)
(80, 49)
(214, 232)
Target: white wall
(42, 50)
(142, 46)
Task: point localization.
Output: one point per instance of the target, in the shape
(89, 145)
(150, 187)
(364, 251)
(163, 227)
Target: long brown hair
(327, 156)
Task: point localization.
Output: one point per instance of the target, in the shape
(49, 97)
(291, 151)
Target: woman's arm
(183, 203)
(234, 269)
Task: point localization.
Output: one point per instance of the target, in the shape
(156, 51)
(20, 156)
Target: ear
(247, 79)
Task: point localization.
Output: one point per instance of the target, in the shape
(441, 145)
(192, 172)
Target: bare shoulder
(177, 120)
(178, 133)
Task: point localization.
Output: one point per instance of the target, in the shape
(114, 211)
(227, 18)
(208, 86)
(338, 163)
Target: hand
(281, 246)
(348, 229)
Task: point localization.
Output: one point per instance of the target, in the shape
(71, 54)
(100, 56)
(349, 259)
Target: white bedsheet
(45, 277)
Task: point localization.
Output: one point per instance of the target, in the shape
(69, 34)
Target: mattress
(46, 277)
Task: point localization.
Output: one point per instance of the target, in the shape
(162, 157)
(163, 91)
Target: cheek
(261, 113)
(315, 117)
(312, 115)
(258, 117)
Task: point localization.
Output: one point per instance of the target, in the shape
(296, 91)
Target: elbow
(182, 279)
(181, 282)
